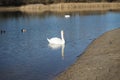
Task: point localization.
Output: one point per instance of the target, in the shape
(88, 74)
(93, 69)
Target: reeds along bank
(24, 2)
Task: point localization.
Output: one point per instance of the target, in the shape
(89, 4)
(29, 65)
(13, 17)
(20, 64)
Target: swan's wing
(54, 40)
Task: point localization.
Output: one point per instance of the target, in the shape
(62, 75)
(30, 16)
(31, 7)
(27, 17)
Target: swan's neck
(62, 37)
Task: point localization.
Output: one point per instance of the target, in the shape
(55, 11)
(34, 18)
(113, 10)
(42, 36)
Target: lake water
(28, 56)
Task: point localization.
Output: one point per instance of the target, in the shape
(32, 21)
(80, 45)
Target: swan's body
(56, 40)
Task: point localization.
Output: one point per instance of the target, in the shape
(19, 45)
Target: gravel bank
(100, 61)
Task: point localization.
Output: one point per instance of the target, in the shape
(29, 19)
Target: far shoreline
(63, 7)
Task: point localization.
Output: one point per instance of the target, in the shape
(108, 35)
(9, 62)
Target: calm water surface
(28, 56)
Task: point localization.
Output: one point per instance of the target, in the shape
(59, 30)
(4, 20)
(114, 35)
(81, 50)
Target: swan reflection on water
(58, 46)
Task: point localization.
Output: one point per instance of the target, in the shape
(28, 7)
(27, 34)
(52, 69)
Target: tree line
(24, 2)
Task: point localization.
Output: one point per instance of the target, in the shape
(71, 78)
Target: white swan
(56, 40)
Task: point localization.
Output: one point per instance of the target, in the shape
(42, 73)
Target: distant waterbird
(23, 30)
(2, 31)
(67, 16)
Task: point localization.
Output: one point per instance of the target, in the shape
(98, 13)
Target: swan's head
(62, 32)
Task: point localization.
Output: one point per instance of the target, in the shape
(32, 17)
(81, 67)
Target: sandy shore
(100, 61)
